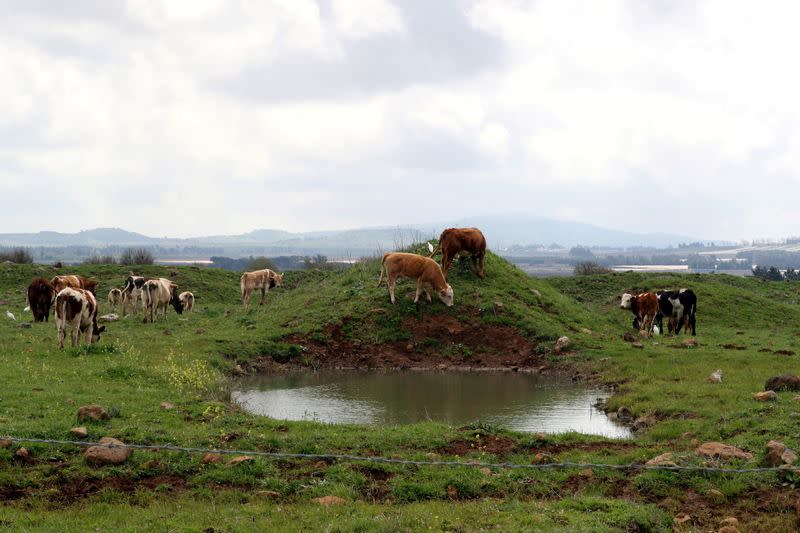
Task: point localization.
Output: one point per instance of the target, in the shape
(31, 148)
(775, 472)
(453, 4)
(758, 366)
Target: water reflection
(517, 401)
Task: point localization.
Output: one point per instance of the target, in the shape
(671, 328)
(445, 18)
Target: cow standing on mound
(159, 294)
(74, 281)
(78, 309)
(131, 292)
(679, 307)
(40, 298)
(644, 307)
(259, 279)
(426, 271)
(464, 241)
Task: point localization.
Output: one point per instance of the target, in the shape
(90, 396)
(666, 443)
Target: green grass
(187, 361)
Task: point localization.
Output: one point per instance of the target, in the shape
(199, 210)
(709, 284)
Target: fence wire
(389, 460)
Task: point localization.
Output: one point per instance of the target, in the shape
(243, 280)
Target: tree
(17, 255)
(586, 268)
(100, 260)
(136, 256)
(260, 263)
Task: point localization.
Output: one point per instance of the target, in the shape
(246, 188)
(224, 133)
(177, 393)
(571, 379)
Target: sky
(187, 118)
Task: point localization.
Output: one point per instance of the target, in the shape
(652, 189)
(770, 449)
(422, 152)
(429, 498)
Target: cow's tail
(383, 265)
(241, 283)
(435, 250)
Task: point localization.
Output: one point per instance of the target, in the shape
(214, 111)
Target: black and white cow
(132, 291)
(679, 307)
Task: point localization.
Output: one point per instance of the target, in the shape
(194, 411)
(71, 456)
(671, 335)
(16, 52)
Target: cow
(78, 309)
(74, 281)
(464, 241)
(259, 279)
(187, 300)
(40, 298)
(158, 294)
(114, 298)
(679, 307)
(131, 291)
(426, 271)
(644, 307)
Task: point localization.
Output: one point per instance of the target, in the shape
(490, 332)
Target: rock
(644, 422)
(542, 459)
(25, 325)
(199, 331)
(587, 331)
(326, 501)
(784, 382)
(5, 443)
(536, 292)
(409, 347)
(499, 307)
(624, 413)
(486, 471)
(452, 492)
(681, 518)
(628, 337)
(730, 521)
(103, 455)
(689, 343)
(637, 344)
(774, 451)
(716, 377)
(92, 412)
(728, 529)
(587, 473)
(723, 451)
(433, 456)
(240, 459)
(715, 494)
(166, 406)
(153, 464)
(211, 458)
(687, 435)
(789, 457)
(562, 344)
(111, 317)
(81, 432)
(22, 453)
(665, 459)
(268, 494)
(766, 396)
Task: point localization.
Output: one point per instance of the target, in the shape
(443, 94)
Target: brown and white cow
(644, 307)
(131, 292)
(78, 309)
(40, 298)
(158, 294)
(114, 298)
(187, 300)
(464, 241)
(426, 271)
(259, 279)
(74, 281)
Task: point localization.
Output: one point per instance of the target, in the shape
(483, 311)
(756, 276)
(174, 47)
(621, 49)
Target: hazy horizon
(218, 118)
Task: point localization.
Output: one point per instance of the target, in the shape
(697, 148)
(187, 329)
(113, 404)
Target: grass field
(742, 324)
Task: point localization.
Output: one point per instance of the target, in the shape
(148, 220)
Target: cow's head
(625, 302)
(175, 301)
(59, 283)
(446, 296)
(275, 280)
(96, 331)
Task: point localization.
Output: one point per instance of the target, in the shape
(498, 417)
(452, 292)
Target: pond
(512, 400)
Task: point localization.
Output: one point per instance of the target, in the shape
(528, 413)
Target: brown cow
(259, 279)
(158, 294)
(40, 298)
(644, 307)
(426, 271)
(464, 241)
(74, 281)
(78, 308)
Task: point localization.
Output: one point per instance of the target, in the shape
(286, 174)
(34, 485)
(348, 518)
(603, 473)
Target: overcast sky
(184, 118)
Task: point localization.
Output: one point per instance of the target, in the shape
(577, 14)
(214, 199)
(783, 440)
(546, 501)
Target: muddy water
(512, 400)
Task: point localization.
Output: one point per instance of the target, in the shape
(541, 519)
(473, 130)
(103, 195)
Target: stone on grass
(166, 406)
(637, 344)
(624, 413)
(681, 518)
(103, 455)
(628, 337)
(715, 377)
(81, 432)
(92, 412)
(5, 443)
(111, 317)
(766, 396)
(723, 451)
(728, 529)
(784, 382)
(730, 521)
(240, 459)
(326, 501)
(644, 422)
(22, 453)
(268, 494)
(665, 459)
(562, 344)
(689, 343)
(211, 458)
(499, 307)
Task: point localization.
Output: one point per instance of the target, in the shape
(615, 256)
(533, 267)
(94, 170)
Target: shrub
(586, 268)
(260, 263)
(100, 260)
(136, 256)
(16, 255)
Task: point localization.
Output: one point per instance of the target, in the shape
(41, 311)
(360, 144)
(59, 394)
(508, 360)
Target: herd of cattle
(75, 300)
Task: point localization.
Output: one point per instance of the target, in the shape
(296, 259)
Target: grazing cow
(40, 298)
(644, 307)
(187, 300)
(74, 281)
(426, 271)
(259, 279)
(114, 298)
(157, 294)
(680, 308)
(78, 309)
(464, 241)
(131, 292)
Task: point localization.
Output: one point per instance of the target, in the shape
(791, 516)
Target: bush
(17, 255)
(136, 256)
(767, 274)
(100, 260)
(260, 263)
(586, 268)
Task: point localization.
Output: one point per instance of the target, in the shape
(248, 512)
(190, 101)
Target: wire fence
(389, 460)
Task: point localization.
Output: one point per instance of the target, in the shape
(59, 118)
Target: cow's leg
(427, 294)
(693, 323)
(419, 291)
(87, 337)
(245, 298)
(76, 332)
(480, 266)
(263, 295)
(447, 260)
(390, 279)
(678, 322)
(61, 334)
